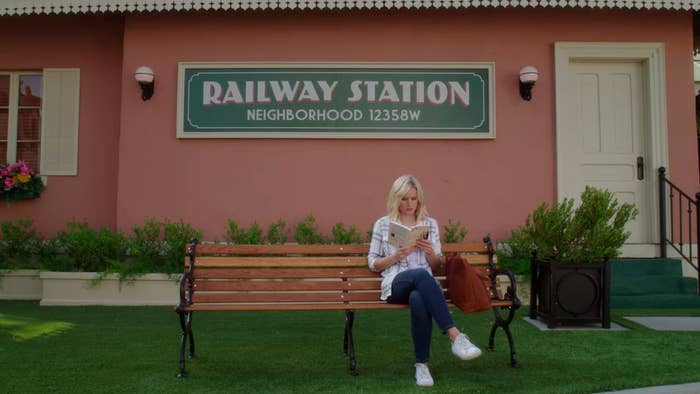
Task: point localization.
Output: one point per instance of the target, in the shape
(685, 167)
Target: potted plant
(19, 182)
(571, 246)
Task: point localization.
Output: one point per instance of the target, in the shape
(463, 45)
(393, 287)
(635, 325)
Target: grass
(135, 349)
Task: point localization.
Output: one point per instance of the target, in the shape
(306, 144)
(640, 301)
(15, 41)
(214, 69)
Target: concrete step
(624, 268)
(661, 301)
(653, 284)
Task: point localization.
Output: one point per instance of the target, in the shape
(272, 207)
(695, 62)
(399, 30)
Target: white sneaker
(423, 377)
(464, 349)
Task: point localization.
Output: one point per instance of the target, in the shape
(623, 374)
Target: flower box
(88, 288)
(20, 285)
(562, 294)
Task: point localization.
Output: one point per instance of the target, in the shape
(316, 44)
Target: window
(39, 119)
(20, 117)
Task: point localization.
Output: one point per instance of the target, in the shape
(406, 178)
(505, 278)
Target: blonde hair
(401, 186)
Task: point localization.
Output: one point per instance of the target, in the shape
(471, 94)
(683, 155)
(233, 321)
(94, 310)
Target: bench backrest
(278, 277)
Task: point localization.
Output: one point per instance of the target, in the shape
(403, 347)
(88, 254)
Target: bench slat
(363, 249)
(298, 285)
(284, 297)
(293, 307)
(283, 273)
(305, 307)
(300, 262)
(286, 285)
(282, 249)
(278, 261)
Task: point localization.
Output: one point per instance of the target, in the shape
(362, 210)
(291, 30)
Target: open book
(401, 236)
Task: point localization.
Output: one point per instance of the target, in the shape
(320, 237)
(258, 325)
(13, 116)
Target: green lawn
(135, 349)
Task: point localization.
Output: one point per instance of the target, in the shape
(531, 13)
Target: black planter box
(570, 294)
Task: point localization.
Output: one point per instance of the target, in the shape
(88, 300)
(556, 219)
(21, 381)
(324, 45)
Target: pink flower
(9, 182)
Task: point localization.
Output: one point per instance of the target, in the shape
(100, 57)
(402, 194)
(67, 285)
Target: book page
(401, 236)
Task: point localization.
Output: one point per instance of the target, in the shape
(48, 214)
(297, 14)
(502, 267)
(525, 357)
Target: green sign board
(239, 100)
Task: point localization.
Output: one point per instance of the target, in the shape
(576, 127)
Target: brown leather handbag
(466, 285)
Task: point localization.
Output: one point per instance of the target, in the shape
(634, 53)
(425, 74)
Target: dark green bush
(237, 234)
(146, 242)
(88, 249)
(307, 231)
(19, 243)
(277, 233)
(454, 232)
(586, 234)
(176, 235)
(344, 236)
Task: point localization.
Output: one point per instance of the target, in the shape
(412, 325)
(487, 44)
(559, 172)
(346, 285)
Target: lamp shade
(144, 74)
(529, 74)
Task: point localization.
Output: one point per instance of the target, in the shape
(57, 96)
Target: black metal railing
(680, 206)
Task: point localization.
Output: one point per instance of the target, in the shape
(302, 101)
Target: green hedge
(156, 246)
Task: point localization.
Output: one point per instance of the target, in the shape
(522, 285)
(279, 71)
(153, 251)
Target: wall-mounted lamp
(146, 79)
(528, 77)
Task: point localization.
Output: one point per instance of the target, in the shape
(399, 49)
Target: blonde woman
(407, 276)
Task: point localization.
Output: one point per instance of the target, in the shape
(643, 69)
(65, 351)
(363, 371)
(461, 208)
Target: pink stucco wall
(93, 44)
(490, 185)
(131, 166)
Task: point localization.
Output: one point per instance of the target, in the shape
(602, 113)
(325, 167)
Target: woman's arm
(431, 246)
(382, 263)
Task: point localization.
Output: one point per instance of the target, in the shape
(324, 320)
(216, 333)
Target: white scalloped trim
(22, 7)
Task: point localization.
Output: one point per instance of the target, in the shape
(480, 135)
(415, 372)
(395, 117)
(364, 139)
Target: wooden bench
(314, 277)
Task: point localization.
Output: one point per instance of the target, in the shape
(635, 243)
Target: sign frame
(378, 134)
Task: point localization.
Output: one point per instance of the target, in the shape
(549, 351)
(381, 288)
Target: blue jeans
(422, 292)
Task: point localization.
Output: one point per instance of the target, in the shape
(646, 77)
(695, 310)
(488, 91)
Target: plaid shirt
(380, 247)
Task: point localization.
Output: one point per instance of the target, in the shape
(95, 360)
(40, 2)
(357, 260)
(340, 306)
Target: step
(661, 301)
(624, 268)
(653, 284)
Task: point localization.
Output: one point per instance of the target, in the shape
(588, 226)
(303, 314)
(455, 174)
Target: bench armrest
(511, 291)
(186, 281)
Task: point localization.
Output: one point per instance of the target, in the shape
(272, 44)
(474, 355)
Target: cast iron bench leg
(348, 343)
(183, 344)
(505, 325)
(186, 326)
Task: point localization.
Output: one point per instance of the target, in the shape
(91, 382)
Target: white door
(605, 138)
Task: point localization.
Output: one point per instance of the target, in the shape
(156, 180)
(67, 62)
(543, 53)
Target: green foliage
(454, 232)
(277, 233)
(239, 235)
(176, 235)
(145, 244)
(586, 234)
(307, 231)
(18, 243)
(344, 236)
(369, 233)
(88, 249)
(515, 254)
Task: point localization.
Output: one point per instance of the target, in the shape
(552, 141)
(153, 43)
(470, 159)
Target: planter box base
(20, 285)
(81, 288)
(570, 294)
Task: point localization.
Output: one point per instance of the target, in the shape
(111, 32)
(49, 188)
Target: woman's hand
(385, 262)
(402, 253)
(426, 246)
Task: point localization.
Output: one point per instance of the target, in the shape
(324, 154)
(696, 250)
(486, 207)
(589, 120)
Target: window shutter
(59, 125)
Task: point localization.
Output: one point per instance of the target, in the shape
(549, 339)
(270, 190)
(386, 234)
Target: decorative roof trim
(24, 7)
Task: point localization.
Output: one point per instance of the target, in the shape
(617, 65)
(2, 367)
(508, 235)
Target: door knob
(640, 168)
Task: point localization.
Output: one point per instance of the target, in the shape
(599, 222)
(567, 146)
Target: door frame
(652, 58)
